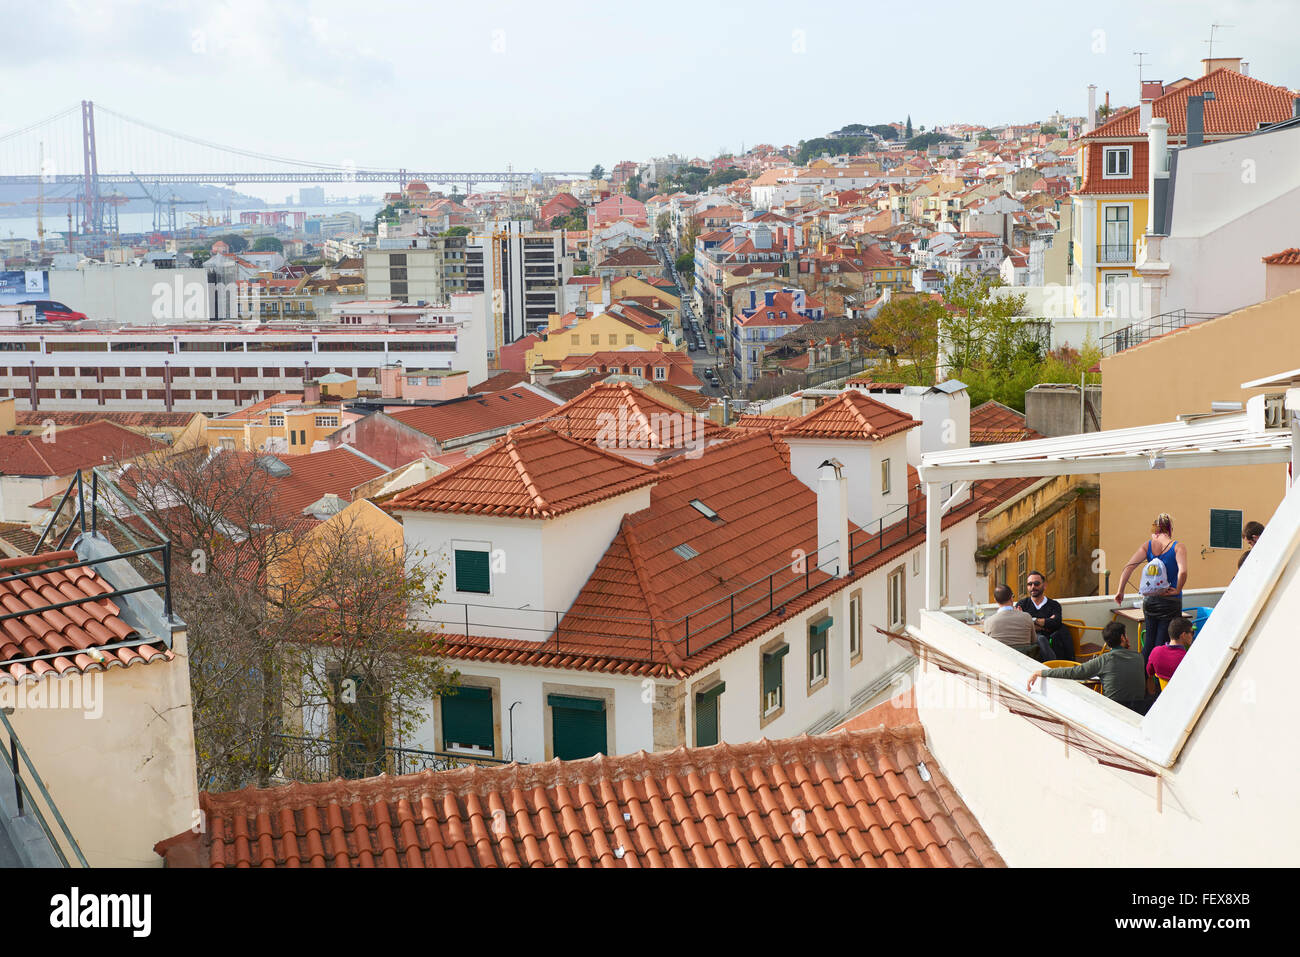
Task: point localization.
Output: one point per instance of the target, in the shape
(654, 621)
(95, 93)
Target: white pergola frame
(1237, 438)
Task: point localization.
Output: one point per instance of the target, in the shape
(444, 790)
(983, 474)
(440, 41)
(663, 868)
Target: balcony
(1116, 255)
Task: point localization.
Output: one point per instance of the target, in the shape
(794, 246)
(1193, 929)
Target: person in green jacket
(1120, 669)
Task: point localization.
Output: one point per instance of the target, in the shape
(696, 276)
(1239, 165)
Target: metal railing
(1116, 253)
(41, 804)
(301, 758)
(1139, 332)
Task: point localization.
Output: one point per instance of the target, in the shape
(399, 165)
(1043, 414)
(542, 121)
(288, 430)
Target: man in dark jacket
(1053, 637)
(1119, 668)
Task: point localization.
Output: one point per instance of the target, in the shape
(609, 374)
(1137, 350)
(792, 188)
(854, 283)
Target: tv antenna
(1140, 54)
(1213, 28)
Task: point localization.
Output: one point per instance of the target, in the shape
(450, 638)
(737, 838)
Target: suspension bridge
(81, 155)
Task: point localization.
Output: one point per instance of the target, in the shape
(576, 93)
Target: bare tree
(280, 607)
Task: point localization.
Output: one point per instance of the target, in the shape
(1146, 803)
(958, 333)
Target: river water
(56, 219)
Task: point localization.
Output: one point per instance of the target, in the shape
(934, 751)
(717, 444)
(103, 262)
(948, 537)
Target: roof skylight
(704, 510)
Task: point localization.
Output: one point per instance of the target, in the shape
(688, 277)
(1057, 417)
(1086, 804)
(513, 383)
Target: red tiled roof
(475, 414)
(72, 635)
(763, 423)
(851, 415)
(849, 799)
(1240, 104)
(587, 417)
(992, 422)
(528, 473)
(77, 448)
(500, 382)
(29, 418)
(632, 256)
(1287, 257)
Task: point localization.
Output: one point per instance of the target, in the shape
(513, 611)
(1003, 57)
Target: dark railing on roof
(1139, 332)
(39, 801)
(308, 759)
(702, 627)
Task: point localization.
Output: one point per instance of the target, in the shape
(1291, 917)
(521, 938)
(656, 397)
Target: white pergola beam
(1138, 461)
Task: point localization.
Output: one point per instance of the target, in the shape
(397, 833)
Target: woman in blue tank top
(1161, 608)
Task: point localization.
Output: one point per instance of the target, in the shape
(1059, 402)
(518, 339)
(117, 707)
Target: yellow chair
(1083, 649)
(1163, 682)
(1060, 663)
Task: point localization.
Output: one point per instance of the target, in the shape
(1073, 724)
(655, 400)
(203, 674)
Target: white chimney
(1157, 166)
(832, 519)
(1090, 121)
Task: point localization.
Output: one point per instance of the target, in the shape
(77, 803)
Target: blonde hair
(1163, 524)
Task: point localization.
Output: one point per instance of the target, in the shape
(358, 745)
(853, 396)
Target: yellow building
(290, 423)
(583, 335)
(1184, 372)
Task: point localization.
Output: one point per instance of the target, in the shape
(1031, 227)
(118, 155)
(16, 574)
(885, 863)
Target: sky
(563, 86)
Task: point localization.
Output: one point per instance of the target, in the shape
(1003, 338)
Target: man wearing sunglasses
(1054, 639)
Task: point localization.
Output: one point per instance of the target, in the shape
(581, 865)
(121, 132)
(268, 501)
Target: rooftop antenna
(1214, 27)
(1140, 54)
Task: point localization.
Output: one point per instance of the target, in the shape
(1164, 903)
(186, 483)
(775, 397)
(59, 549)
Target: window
(1072, 534)
(573, 340)
(1022, 568)
(613, 339)
(1001, 573)
(1049, 546)
(707, 730)
(661, 373)
(884, 477)
(629, 339)
(1117, 161)
(473, 571)
(943, 571)
(817, 632)
(293, 437)
(896, 597)
(275, 421)
(578, 728)
(228, 445)
(774, 680)
(916, 562)
(1225, 528)
(467, 723)
(595, 340)
(855, 626)
(637, 370)
(1110, 288)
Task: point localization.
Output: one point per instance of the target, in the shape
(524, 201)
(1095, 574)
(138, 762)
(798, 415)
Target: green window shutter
(577, 727)
(472, 572)
(706, 715)
(1225, 528)
(821, 627)
(816, 642)
(772, 668)
(467, 718)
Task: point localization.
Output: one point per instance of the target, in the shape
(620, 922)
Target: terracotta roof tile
(587, 417)
(1240, 104)
(1287, 257)
(849, 799)
(475, 413)
(851, 415)
(64, 640)
(77, 448)
(992, 422)
(528, 473)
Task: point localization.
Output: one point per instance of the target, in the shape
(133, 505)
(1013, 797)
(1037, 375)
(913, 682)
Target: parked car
(47, 310)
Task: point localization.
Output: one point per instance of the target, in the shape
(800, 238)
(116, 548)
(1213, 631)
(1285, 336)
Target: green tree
(633, 185)
(685, 262)
(907, 131)
(723, 176)
(981, 332)
(268, 244)
(236, 242)
(457, 231)
(852, 128)
(598, 172)
(907, 327)
(924, 141)
(663, 223)
(390, 212)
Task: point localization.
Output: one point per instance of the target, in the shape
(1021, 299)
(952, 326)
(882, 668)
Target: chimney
(832, 519)
(1222, 63)
(311, 392)
(1157, 174)
(1245, 68)
(390, 381)
(1090, 121)
(1196, 117)
(1150, 90)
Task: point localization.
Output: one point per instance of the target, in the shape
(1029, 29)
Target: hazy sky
(566, 85)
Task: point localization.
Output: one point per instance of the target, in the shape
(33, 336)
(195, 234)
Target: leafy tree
(885, 131)
(810, 149)
(236, 242)
(723, 176)
(663, 223)
(598, 172)
(907, 132)
(851, 128)
(455, 231)
(685, 262)
(1105, 110)
(582, 269)
(924, 141)
(268, 244)
(576, 219)
(633, 185)
(1049, 129)
(390, 212)
(907, 327)
(981, 332)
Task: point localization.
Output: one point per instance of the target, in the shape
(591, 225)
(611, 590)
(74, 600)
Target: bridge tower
(92, 204)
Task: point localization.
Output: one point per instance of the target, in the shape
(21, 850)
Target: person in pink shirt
(1165, 659)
